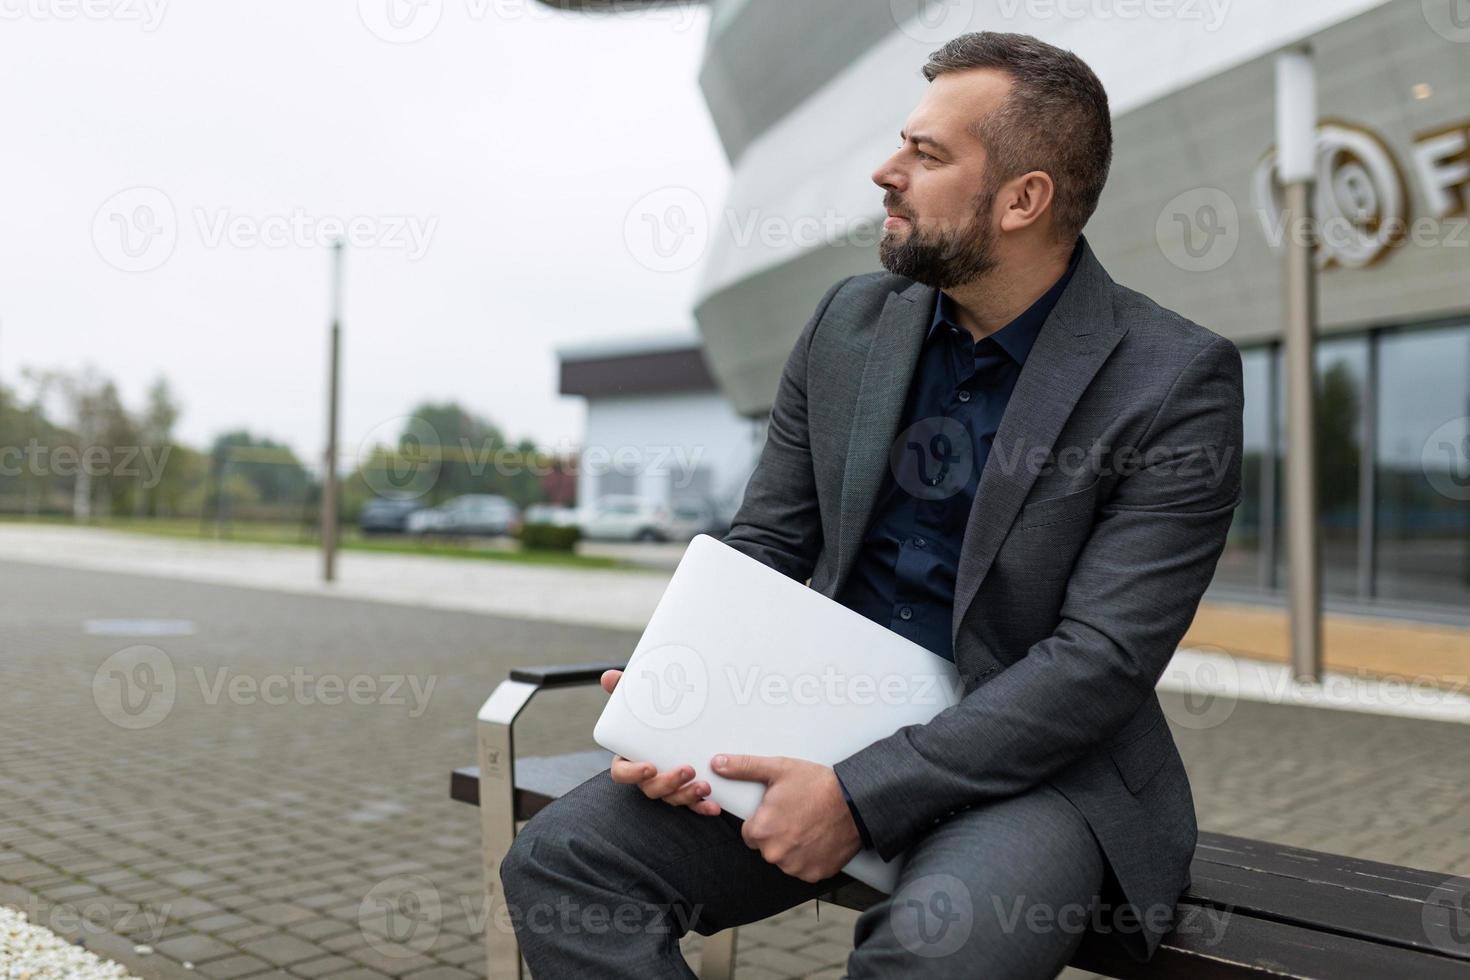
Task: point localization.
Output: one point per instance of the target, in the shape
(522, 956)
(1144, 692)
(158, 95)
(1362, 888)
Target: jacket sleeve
(1131, 596)
(778, 522)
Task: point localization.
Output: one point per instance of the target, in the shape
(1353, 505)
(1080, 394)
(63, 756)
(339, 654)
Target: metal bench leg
(498, 819)
(717, 961)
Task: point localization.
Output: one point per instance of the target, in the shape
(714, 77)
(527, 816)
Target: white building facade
(658, 427)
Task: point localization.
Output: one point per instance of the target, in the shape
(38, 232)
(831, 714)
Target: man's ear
(1025, 199)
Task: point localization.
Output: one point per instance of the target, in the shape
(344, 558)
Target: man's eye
(922, 155)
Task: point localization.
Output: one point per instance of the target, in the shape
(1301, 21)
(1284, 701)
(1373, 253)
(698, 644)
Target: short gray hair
(1056, 118)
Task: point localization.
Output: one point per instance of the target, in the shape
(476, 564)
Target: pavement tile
(220, 923)
(188, 878)
(280, 913)
(346, 941)
(460, 955)
(195, 947)
(441, 973)
(318, 928)
(232, 967)
(281, 949)
(396, 961)
(778, 961)
(245, 934)
(188, 908)
(322, 966)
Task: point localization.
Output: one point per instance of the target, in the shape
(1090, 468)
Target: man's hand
(675, 787)
(803, 825)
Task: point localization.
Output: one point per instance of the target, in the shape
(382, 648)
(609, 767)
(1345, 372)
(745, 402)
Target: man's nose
(888, 175)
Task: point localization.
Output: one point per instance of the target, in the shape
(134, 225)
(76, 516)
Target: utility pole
(1296, 155)
(329, 467)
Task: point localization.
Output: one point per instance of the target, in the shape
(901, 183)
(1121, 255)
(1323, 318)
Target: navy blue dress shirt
(904, 574)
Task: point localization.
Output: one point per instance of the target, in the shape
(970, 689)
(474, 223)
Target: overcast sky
(171, 167)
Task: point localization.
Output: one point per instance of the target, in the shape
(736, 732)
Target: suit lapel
(887, 371)
(1074, 342)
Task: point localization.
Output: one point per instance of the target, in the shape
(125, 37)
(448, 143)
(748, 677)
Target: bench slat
(1346, 872)
(1252, 947)
(1382, 918)
(539, 779)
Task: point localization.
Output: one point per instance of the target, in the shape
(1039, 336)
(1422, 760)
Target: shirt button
(919, 542)
(964, 395)
(905, 613)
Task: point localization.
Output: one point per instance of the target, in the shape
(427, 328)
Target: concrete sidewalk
(622, 598)
(1215, 662)
(258, 836)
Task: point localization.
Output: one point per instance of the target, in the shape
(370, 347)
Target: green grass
(295, 535)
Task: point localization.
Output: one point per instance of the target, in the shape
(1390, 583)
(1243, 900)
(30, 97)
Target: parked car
(695, 515)
(472, 513)
(554, 514)
(623, 517)
(384, 516)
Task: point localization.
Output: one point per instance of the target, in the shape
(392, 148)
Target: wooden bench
(1254, 909)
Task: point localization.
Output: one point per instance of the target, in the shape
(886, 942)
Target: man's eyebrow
(925, 138)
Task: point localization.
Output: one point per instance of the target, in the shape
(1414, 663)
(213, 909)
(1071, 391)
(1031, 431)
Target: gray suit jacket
(1098, 520)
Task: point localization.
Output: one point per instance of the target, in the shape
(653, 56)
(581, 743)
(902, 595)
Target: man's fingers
(677, 786)
(763, 768)
(707, 807)
(688, 794)
(624, 771)
(609, 679)
(666, 782)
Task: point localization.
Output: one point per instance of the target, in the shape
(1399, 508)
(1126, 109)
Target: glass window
(1420, 455)
(1240, 564)
(1423, 466)
(1342, 369)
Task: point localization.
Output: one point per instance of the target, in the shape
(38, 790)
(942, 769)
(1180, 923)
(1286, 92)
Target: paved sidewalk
(253, 838)
(619, 598)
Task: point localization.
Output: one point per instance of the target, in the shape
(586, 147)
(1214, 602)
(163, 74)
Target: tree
(275, 476)
(156, 429)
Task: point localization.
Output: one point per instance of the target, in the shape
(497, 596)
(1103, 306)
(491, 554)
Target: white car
(623, 517)
(471, 513)
(550, 514)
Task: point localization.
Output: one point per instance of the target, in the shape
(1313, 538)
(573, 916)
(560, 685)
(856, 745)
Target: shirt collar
(1019, 336)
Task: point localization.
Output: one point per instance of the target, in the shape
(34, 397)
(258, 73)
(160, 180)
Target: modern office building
(808, 97)
(658, 426)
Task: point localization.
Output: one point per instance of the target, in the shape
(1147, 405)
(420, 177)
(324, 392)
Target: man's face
(944, 233)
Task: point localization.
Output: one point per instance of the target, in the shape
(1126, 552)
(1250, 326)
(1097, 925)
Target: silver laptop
(738, 658)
